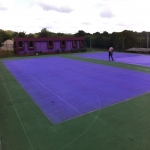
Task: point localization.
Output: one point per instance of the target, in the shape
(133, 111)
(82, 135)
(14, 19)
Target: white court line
(86, 128)
(17, 113)
(49, 89)
(97, 117)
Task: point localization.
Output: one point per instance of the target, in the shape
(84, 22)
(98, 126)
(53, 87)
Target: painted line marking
(17, 113)
(49, 90)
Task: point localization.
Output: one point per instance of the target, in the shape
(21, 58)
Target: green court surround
(23, 126)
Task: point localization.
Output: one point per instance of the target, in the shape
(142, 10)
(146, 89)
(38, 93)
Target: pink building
(32, 46)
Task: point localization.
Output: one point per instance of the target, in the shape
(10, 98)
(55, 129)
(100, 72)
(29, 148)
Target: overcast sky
(70, 16)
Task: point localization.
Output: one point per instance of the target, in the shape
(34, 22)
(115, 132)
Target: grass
(125, 126)
(10, 53)
(114, 64)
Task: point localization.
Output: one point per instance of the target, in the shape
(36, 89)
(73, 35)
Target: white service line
(49, 90)
(17, 113)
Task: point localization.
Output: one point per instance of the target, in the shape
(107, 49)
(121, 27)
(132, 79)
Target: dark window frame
(20, 43)
(63, 43)
(31, 47)
(50, 44)
(74, 43)
(81, 43)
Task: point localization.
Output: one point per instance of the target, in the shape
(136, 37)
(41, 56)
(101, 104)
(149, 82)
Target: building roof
(48, 38)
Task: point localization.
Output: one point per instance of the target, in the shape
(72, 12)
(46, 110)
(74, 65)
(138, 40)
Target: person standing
(111, 49)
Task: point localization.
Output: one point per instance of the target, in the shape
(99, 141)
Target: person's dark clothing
(111, 56)
(111, 53)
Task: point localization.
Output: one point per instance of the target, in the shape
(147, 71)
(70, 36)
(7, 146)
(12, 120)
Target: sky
(70, 16)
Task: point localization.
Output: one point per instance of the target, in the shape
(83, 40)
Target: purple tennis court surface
(65, 88)
(136, 59)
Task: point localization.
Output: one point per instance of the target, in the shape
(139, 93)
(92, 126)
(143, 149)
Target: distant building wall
(8, 45)
(31, 46)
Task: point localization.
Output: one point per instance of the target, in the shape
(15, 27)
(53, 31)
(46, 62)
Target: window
(74, 43)
(63, 43)
(20, 44)
(50, 43)
(31, 44)
(81, 43)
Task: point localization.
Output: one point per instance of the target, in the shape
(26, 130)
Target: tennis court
(129, 58)
(65, 102)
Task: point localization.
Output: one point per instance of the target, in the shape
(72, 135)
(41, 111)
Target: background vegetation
(120, 40)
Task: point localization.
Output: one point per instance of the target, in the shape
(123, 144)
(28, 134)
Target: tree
(80, 33)
(129, 38)
(2, 34)
(22, 34)
(105, 40)
(44, 33)
(30, 35)
(105, 34)
(14, 34)
(87, 41)
(96, 34)
(60, 34)
(9, 33)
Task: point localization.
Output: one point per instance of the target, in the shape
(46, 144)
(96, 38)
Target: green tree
(22, 34)
(44, 33)
(80, 33)
(14, 34)
(96, 34)
(128, 39)
(31, 35)
(2, 34)
(9, 33)
(87, 41)
(105, 40)
(60, 34)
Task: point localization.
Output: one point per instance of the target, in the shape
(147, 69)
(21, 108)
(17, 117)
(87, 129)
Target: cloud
(47, 7)
(47, 27)
(3, 8)
(120, 24)
(86, 23)
(106, 14)
(126, 25)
